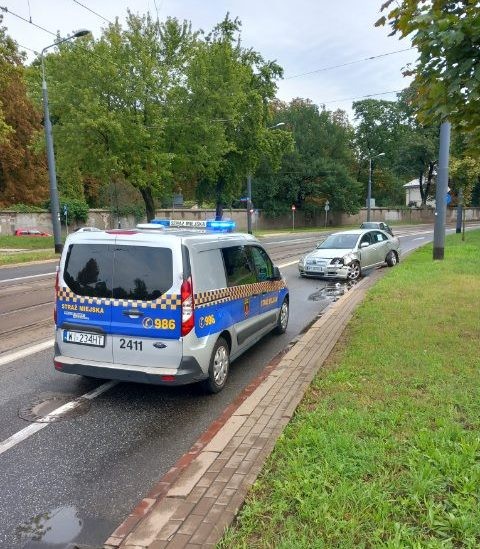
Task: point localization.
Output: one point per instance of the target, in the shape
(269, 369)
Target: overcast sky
(301, 35)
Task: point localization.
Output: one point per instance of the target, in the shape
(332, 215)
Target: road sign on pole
(293, 216)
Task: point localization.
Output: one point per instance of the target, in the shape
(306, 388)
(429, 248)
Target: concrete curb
(199, 497)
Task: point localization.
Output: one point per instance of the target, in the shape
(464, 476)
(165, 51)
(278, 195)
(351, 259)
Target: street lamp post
(249, 188)
(369, 189)
(54, 203)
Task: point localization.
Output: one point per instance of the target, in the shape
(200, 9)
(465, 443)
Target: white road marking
(22, 435)
(419, 238)
(26, 352)
(25, 277)
(288, 264)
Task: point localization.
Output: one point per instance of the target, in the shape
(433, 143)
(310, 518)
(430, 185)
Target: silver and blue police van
(164, 303)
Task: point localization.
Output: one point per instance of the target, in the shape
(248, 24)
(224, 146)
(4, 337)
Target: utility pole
(458, 228)
(441, 193)
(249, 204)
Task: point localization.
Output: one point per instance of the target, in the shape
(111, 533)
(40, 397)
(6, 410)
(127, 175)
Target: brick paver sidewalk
(199, 497)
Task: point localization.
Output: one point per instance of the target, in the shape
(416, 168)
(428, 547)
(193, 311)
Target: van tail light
(56, 296)
(187, 306)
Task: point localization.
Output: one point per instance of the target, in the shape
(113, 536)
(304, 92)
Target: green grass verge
(26, 257)
(384, 450)
(34, 249)
(26, 242)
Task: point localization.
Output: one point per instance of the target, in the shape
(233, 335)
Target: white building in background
(413, 196)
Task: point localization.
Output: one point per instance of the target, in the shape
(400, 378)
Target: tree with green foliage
(418, 149)
(231, 90)
(160, 107)
(446, 34)
(319, 168)
(464, 174)
(112, 101)
(379, 130)
(23, 175)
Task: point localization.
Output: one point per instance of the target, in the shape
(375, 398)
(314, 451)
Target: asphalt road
(77, 478)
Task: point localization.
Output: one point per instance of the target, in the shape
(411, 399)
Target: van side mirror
(276, 273)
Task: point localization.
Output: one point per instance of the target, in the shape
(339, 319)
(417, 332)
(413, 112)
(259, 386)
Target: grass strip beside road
(384, 450)
(23, 249)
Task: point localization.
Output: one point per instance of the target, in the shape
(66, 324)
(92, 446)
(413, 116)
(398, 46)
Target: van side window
(238, 267)
(209, 273)
(263, 264)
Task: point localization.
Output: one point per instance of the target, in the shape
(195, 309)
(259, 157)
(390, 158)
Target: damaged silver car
(348, 253)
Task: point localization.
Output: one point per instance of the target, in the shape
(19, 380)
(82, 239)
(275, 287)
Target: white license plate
(84, 338)
(315, 269)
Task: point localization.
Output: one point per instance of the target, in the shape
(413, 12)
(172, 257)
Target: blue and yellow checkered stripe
(166, 302)
(214, 297)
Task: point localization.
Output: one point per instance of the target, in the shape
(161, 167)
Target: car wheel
(354, 271)
(219, 367)
(282, 321)
(391, 259)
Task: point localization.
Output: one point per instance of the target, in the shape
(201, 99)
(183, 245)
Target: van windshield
(129, 272)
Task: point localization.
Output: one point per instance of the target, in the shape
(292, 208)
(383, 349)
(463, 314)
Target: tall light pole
(369, 189)
(54, 203)
(249, 188)
(441, 192)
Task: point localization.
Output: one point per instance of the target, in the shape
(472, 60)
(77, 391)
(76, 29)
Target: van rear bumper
(189, 371)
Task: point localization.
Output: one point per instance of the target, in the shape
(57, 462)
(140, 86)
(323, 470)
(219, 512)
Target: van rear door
(83, 305)
(146, 311)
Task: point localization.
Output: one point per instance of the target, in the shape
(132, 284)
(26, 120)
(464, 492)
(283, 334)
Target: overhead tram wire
(358, 97)
(27, 48)
(92, 11)
(323, 69)
(5, 9)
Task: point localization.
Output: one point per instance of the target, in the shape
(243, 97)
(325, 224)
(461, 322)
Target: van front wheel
(219, 367)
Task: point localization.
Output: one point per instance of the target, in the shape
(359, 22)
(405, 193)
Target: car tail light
(167, 378)
(57, 287)
(187, 306)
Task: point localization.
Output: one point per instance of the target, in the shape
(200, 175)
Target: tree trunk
(149, 203)
(218, 199)
(423, 195)
(425, 189)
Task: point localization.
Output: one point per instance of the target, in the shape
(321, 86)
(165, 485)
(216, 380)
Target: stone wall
(103, 219)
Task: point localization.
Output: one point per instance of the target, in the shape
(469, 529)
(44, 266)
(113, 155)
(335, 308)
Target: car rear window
(130, 272)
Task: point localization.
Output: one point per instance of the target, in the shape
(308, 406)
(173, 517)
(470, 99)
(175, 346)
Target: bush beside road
(385, 449)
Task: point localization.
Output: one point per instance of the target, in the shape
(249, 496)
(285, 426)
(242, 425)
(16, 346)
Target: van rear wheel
(218, 367)
(282, 321)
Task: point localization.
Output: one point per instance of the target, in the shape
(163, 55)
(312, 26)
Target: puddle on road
(52, 530)
(332, 291)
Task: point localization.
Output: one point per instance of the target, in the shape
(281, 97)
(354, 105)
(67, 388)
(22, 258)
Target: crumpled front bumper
(329, 271)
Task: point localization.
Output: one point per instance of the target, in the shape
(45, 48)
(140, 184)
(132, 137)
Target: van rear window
(129, 272)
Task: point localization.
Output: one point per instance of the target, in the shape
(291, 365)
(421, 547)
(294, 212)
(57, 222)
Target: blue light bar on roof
(224, 226)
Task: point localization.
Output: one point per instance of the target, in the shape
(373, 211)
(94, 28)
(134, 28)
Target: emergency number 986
(164, 324)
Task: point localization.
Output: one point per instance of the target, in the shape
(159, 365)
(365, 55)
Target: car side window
(377, 236)
(380, 237)
(238, 266)
(262, 263)
(366, 238)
